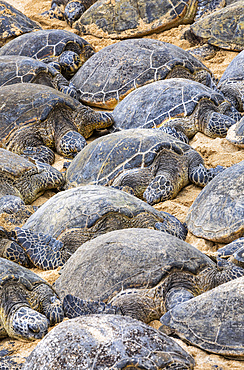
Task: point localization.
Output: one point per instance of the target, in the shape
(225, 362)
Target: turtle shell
(13, 23)
(14, 166)
(231, 83)
(235, 134)
(123, 259)
(47, 45)
(23, 104)
(106, 342)
(152, 105)
(17, 69)
(102, 160)
(223, 28)
(133, 18)
(85, 207)
(217, 213)
(11, 271)
(212, 321)
(114, 71)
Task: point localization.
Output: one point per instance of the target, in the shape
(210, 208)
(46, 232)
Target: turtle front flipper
(172, 225)
(39, 153)
(201, 175)
(44, 251)
(74, 307)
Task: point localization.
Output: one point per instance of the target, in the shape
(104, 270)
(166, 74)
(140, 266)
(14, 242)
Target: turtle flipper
(39, 153)
(172, 225)
(217, 125)
(43, 250)
(70, 144)
(74, 306)
(201, 176)
(175, 132)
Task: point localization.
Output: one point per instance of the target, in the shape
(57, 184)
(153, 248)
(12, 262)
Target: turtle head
(24, 323)
(69, 62)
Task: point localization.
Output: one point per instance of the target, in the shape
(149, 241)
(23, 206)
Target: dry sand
(214, 151)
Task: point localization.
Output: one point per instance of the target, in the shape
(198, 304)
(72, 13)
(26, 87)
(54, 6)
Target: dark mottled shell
(122, 259)
(212, 321)
(24, 104)
(133, 18)
(152, 105)
(47, 44)
(13, 23)
(104, 341)
(217, 213)
(223, 28)
(114, 71)
(18, 69)
(83, 206)
(106, 157)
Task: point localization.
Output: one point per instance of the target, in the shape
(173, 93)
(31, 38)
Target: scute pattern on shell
(217, 213)
(107, 342)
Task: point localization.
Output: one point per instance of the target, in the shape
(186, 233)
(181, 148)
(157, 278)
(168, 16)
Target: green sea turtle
(80, 214)
(116, 70)
(35, 121)
(150, 163)
(212, 321)
(223, 28)
(106, 343)
(30, 249)
(235, 134)
(140, 273)
(24, 179)
(14, 23)
(217, 213)
(231, 83)
(28, 304)
(17, 69)
(65, 50)
(134, 18)
(176, 106)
